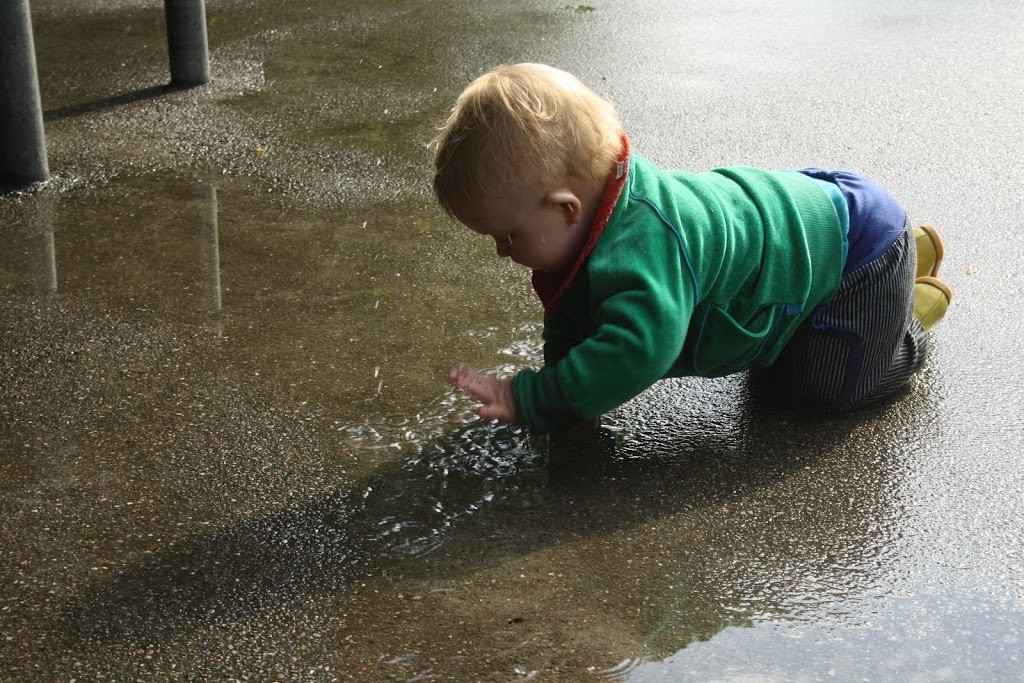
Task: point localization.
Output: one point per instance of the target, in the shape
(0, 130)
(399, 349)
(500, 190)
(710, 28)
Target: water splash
(451, 465)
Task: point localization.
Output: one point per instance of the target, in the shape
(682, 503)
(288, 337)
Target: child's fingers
(496, 410)
(457, 376)
(496, 395)
(490, 412)
(470, 380)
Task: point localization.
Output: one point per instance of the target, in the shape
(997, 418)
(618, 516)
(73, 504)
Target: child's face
(542, 230)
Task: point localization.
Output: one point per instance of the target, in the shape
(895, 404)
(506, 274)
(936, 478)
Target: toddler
(810, 279)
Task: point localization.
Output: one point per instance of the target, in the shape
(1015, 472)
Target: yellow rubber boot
(929, 251)
(931, 299)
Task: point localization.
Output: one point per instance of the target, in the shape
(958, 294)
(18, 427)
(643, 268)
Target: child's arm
(495, 394)
(636, 314)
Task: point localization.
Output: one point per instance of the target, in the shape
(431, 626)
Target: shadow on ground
(499, 490)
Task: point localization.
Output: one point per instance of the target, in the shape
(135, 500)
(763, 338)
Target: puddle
(255, 390)
(311, 299)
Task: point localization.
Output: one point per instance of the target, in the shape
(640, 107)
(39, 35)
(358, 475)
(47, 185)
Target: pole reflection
(138, 253)
(209, 261)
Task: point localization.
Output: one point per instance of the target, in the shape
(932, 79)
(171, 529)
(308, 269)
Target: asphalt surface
(227, 451)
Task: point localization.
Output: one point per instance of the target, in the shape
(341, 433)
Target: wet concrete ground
(228, 452)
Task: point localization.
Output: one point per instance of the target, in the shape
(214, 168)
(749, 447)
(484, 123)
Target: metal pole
(186, 41)
(22, 142)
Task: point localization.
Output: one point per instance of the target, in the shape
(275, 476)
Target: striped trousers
(860, 347)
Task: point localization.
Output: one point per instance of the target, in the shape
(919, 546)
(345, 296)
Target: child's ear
(570, 204)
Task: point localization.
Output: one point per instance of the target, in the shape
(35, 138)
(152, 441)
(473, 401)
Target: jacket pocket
(725, 343)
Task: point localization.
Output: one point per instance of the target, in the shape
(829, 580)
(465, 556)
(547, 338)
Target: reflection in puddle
(893, 647)
(209, 259)
(340, 306)
(31, 253)
(48, 251)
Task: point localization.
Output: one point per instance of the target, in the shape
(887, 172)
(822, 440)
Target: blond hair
(523, 123)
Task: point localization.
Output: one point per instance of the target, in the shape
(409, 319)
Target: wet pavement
(228, 451)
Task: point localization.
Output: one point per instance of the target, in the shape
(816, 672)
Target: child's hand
(496, 394)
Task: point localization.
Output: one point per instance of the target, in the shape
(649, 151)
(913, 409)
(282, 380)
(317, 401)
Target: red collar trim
(551, 286)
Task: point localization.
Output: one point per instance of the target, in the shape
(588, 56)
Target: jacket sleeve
(560, 336)
(641, 298)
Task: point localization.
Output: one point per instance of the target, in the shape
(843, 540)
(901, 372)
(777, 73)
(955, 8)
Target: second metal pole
(187, 41)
